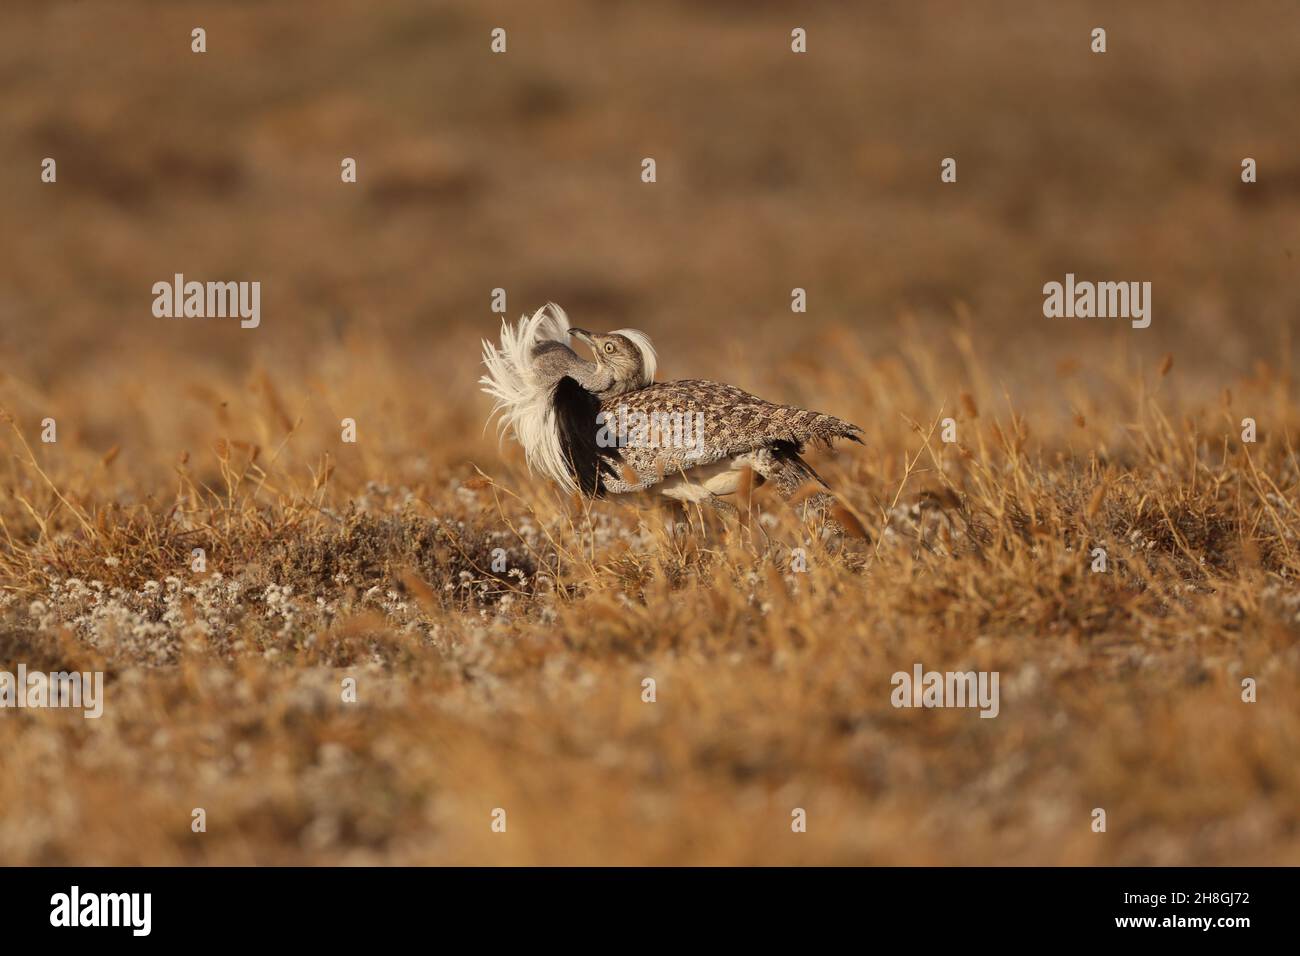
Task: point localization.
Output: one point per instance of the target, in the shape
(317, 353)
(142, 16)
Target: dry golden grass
(522, 689)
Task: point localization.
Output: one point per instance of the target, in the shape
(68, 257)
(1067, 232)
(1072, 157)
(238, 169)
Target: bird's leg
(728, 511)
(827, 507)
(723, 507)
(792, 475)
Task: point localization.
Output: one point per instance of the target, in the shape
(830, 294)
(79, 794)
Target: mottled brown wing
(718, 421)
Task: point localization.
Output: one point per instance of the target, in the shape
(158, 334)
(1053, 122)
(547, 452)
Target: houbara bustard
(605, 426)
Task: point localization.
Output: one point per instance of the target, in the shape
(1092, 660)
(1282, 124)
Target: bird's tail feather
(827, 428)
(799, 482)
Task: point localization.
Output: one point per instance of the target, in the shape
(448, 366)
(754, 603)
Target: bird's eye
(609, 348)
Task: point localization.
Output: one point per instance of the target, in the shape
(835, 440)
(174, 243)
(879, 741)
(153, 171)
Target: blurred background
(522, 171)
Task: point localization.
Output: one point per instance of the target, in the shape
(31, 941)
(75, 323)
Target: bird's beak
(585, 337)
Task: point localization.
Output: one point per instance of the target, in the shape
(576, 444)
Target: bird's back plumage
(731, 421)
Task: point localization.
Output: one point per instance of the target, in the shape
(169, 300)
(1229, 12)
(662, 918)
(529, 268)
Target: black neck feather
(575, 415)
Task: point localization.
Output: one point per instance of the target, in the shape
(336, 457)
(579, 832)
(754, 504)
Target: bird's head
(625, 355)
